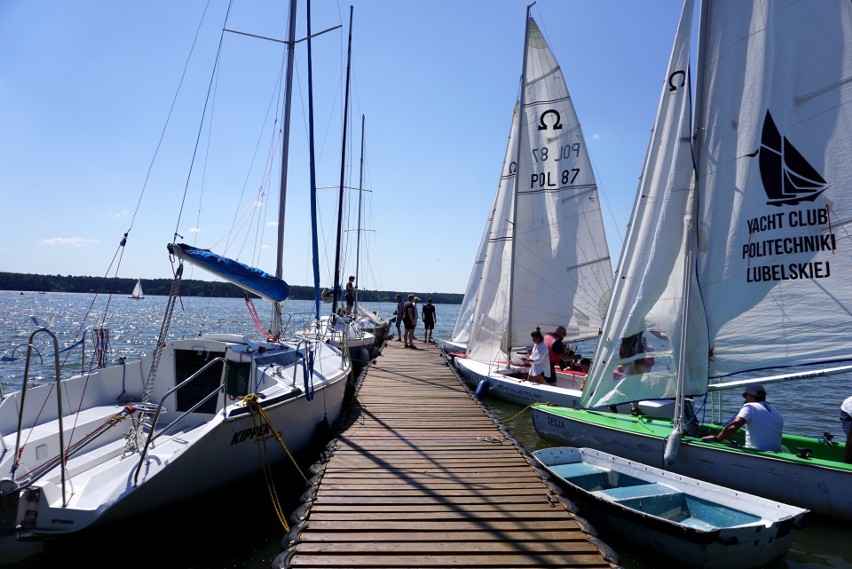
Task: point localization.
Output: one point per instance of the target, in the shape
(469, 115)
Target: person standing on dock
(399, 313)
(409, 320)
(429, 319)
(416, 316)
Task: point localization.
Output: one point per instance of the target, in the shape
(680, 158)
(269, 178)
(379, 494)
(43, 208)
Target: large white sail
(775, 174)
(461, 331)
(648, 294)
(765, 226)
(547, 264)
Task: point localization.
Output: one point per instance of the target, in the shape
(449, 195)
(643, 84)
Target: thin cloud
(72, 241)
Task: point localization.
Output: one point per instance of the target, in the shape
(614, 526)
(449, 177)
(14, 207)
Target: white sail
(648, 294)
(766, 221)
(461, 331)
(547, 264)
(774, 270)
(137, 291)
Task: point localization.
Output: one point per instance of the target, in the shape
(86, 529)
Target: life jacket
(549, 340)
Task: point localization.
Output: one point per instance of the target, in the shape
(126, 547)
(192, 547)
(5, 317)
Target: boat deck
(420, 475)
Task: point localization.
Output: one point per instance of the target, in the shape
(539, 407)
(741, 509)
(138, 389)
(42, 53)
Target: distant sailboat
(137, 293)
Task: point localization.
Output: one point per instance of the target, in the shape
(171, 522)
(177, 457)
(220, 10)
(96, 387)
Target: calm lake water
(236, 527)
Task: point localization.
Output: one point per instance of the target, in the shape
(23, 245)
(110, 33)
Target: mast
(285, 154)
(507, 335)
(314, 237)
(336, 293)
(360, 196)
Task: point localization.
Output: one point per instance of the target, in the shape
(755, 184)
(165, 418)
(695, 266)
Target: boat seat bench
(638, 491)
(575, 469)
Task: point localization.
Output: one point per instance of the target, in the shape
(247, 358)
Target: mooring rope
(253, 403)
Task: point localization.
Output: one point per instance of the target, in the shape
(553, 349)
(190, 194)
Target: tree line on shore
(56, 283)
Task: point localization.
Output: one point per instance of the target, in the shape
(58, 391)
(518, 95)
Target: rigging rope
(145, 416)
(253, 403)
(256, 319)
(101, 345)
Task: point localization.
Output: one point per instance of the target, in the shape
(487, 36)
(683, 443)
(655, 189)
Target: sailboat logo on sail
(788, 178)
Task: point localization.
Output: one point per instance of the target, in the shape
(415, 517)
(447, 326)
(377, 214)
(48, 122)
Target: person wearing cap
(846, 423)
(429, 319)
(398, 314)
(763, 423)
(555, 350)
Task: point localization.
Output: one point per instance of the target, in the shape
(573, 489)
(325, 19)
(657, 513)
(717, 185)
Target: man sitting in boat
(763, 423)
(846, 423)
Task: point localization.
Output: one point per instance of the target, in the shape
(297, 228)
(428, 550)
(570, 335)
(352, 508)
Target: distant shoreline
(25, 282)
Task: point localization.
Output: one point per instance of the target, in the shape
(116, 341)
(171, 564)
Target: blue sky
(85, 154)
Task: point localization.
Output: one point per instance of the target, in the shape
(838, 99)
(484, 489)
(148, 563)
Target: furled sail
(246, 277)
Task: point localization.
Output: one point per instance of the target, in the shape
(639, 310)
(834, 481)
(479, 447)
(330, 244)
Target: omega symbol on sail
(788, 178)
(557, 120)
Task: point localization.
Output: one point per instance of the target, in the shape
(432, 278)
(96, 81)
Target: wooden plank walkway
(420, 475)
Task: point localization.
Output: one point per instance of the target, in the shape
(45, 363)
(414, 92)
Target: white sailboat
(544, 259)
(359, 339)
(190, 416)
(456, 345)
(736, 263)
(366, 321)
(137, 293)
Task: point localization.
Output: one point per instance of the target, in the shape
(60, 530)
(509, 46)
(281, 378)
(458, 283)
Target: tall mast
(285, 154)
(314, 237)
(360, 196)
(507, 336)
(342, 173)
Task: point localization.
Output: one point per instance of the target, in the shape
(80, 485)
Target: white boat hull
(693, 523)
(205, 449)
(565, 392)
(823, 487)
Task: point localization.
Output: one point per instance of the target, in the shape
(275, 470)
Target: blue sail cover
(246, 277)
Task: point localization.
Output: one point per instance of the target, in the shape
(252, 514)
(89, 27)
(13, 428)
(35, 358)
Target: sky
(101, 129)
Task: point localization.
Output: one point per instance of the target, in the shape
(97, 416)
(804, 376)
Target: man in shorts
(429, 319)
(409, 321)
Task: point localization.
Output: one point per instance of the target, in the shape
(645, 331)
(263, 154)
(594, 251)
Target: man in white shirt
(764, 424)
(846, 423)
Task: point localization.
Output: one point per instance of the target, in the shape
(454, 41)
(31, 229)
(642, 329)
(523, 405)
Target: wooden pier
(420, 475)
